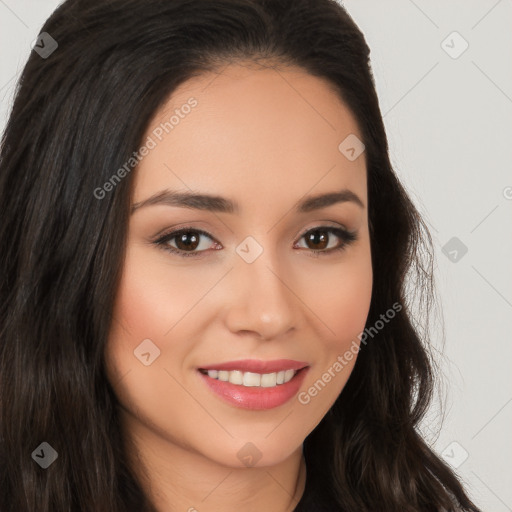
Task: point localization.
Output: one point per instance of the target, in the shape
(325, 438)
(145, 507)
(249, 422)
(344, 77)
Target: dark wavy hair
(80, 114)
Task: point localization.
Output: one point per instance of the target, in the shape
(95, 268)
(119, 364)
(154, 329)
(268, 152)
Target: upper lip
(257, 365)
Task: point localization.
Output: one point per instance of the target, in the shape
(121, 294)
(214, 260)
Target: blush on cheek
(345, 309)
(142, 300)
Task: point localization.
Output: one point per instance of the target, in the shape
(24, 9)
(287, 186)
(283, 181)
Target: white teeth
(288, 375)
(236, 377)
(223, 375)
(250, 379)
(268, 380)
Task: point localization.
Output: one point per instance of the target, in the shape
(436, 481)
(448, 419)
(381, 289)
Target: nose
(262, 301)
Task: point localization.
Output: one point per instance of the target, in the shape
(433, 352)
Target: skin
(265, 138)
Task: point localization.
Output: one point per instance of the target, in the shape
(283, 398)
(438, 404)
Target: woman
(204, 253)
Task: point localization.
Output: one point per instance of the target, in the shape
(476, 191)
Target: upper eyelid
(173, 232)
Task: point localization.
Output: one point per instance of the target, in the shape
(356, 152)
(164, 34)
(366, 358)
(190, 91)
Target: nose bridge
(262, 301)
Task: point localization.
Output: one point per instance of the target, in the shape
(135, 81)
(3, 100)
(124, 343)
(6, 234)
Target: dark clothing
(315, 499)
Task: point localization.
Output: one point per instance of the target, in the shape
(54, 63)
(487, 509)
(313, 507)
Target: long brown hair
(78, 115)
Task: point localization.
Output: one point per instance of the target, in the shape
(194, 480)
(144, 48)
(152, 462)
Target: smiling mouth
(251, 379)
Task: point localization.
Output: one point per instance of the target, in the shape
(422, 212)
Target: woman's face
(251, 288)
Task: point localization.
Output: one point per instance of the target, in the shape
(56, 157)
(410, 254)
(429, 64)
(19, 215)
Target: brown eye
(186, 240)
(318, 239)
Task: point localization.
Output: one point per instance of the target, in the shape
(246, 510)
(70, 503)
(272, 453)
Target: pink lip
(257, 366)
(255, 398)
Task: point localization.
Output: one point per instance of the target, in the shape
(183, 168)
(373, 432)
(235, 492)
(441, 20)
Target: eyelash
(347, 238)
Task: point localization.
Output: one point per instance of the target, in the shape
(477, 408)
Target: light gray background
(449, 126)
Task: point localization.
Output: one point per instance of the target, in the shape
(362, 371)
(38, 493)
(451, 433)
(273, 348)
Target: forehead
(257, 132)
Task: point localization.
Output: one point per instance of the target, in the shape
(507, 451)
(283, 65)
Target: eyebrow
(220, 204)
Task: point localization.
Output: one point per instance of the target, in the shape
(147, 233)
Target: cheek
(142, 302)
(153, 296)
(142, 311)
(155, 301)
(147, 307)
(341, 298)
(344, 293)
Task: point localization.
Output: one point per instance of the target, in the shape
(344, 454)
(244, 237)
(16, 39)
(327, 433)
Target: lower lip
(256, 397)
